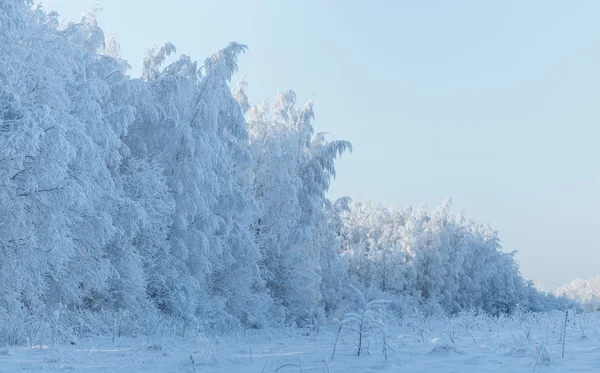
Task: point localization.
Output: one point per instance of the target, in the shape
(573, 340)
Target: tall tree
(292, 170)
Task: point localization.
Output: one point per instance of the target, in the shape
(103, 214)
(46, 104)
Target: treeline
(170, 197)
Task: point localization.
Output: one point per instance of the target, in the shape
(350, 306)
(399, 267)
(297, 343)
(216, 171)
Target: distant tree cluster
(438, 262)
(585, 292)
(171, 197)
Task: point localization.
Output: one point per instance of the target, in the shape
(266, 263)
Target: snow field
(466, 343)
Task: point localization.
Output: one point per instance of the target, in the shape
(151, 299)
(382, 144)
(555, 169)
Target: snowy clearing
(525, 343)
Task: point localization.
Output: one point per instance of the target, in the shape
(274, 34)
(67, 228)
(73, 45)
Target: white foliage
(586, 292)
(292, 170)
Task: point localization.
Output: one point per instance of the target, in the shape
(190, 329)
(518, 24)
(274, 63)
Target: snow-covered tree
(60, 156)
(200, 137)
(292, 170)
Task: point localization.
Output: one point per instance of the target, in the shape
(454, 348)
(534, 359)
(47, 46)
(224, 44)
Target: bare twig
(288, 365)
(336, 340)
(564, 333)
(326, 366)
(192, 359)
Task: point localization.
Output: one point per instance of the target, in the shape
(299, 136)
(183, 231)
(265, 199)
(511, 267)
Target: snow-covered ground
(524, 343)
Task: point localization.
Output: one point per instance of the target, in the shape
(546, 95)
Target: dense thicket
(170, 197)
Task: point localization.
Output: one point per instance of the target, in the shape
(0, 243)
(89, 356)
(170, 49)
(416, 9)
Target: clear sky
(494, 104)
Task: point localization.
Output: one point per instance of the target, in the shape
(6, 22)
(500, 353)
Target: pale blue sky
(494, 104)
